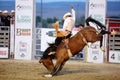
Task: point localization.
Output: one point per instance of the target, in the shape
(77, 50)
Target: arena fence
(4, 41)
(37, 45)
(114, 46)
(114, 40)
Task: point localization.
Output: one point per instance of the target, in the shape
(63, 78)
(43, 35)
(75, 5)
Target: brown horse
(75, 44)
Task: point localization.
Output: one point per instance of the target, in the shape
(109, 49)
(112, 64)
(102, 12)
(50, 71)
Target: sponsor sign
(24, 19)
(114, 56)
(95, 55)
(47, 36)
(23, 32)
(3, 52)
(97, 10)
(24, 24)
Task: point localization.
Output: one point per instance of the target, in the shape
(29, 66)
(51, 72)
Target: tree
(49, 20)
(38, 20)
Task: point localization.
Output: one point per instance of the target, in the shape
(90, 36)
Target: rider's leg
(58, 41)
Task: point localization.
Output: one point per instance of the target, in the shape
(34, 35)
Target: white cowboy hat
(12, 11)
(5, 11)
(67, 14)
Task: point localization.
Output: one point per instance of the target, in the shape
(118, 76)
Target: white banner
(3, 52)
(47, 36)
(95, 55)
(114, 56)
(97, 10)
(24, 24)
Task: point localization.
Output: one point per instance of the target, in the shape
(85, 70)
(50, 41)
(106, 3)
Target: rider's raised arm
(73, 13)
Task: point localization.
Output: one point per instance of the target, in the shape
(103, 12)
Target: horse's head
(47, 62)
(90, 34)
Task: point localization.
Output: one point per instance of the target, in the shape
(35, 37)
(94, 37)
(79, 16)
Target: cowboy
(6, 18)
(12, 16)
(79, 27)
(1, 18)
(69, 21)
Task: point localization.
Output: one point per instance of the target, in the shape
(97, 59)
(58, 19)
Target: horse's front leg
(58, 66)
(48, 63)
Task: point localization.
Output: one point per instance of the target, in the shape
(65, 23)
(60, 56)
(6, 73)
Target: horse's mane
(51, 44)
(90, 19)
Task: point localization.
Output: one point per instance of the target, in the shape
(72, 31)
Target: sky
(67, 0)
(59, 0)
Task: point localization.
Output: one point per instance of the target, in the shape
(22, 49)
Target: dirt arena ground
(73, 70)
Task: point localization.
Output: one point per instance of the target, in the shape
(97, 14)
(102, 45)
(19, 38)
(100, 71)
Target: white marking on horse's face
(51, 53)
(48, 75)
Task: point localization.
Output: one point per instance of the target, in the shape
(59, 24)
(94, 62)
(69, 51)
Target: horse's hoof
(48, 75)
(102, 49)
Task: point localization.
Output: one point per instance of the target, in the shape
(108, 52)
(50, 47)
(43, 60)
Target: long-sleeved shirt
(69, 22)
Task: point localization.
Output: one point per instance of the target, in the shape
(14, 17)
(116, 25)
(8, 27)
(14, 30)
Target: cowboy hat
(5, 11)
(67, 14)
(12, 11)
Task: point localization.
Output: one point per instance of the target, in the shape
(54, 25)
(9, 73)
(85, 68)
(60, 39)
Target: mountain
(57, 9)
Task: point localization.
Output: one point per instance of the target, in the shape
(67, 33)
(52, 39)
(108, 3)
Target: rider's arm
(73, 13)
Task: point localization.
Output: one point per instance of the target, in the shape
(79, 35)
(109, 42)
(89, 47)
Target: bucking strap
(66, 41)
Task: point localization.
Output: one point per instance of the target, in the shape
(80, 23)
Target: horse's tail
(51, 44)
(90, 19)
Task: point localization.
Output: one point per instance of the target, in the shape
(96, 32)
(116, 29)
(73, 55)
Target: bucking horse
(76, 43)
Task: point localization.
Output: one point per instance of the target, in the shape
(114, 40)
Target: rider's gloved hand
(71, 7)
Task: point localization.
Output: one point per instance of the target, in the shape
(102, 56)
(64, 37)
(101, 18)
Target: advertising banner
(3, 52)
(97, 10)
(114, 56)
(24, 24)
(47, 36)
